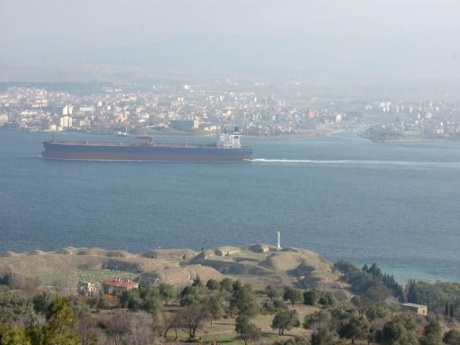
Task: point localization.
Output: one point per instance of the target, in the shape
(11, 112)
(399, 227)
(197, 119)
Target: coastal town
(259, 110)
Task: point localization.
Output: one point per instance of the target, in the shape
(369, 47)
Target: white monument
(278, 246)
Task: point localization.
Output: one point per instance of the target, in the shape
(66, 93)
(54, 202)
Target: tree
(12, 305)
(60, 321)
(292, 294)
(14, 336)
(140, 329)
(246, 329)
(197, 281)
(340, 317)
(117, 327)
(344, 267)
(311, 297)
(226, 285)
(150, 298)
(376, 312)
(452, 337)
(356, 328)
(19, 282)
(432, 334)
(398, 331)
(170, 321)
(361, 304)
(322, 337)
(327, 299)
(285, 320)
(191, 316)
(42, 301)
(375, 271)
(86, 328)
(167, 292)
(212, 284)
(131, 299)
(244, 300)
(216, 305)
(192, 295)
(271, 292)
(79, 306)
(413, 295)
(318, 320)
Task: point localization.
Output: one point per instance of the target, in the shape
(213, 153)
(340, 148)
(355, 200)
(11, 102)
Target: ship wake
(353, 162)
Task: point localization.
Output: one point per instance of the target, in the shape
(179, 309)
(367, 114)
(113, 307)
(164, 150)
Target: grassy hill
(260, 265)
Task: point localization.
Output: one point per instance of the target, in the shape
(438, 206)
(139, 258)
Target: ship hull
(150, 152)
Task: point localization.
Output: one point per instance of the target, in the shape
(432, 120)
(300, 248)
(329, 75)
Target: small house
(415, 308)
(113, 285)
(86, 288)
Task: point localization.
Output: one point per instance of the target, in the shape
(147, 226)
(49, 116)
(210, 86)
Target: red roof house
(112, 285)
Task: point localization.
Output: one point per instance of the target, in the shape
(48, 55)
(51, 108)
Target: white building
(65, 121)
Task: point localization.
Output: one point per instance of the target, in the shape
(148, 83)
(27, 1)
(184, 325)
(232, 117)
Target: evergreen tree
(216, 305)
(246, 329)
(432, 334)
(245, 302)
(412, 292)
(59, 327)
(14, 336)
(398, 331)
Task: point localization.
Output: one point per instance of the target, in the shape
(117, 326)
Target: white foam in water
(348, 162)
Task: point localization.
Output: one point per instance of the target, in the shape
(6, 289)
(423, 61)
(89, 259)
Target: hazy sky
(31, 28)
(90, 22)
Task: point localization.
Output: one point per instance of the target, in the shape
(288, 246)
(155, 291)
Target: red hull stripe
(109, 156)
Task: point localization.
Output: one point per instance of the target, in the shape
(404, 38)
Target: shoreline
(390, 141)
(317, 133)
(313, 134)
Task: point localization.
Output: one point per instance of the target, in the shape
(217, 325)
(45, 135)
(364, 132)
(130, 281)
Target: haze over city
(364, 42)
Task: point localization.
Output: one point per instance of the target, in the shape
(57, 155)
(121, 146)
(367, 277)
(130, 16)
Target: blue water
(342, 196)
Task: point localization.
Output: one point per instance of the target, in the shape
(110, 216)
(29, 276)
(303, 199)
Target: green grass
(95, 276)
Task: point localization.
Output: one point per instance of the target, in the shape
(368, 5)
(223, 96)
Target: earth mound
(170, 254)
(36, 252)
(66, 251)
(92, 251)
(180, 276)
(118, 254)
(258, 264)
(9, 254)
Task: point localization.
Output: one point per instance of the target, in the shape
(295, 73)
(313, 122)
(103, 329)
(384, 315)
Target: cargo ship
(227, 148)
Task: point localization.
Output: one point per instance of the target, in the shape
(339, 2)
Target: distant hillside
(259, 265)
(408, 57)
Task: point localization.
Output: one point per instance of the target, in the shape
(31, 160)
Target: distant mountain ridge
(417, 58)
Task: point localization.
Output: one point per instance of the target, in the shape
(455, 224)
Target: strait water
(341, 196)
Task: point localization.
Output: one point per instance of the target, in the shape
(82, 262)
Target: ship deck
(130, 144)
